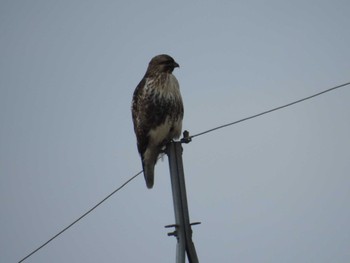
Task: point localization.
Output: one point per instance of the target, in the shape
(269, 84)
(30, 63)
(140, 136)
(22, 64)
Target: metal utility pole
(183, 230)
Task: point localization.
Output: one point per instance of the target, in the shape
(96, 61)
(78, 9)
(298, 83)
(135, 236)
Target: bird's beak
(176, 65)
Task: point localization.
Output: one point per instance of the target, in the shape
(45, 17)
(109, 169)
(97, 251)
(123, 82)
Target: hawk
(157, 112)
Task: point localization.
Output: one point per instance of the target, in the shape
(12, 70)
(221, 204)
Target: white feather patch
(160, 133)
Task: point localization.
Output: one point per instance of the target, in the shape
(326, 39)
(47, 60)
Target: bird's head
(162, 64)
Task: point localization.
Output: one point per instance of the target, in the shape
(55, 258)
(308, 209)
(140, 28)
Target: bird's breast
(164, 87)
(164, 95)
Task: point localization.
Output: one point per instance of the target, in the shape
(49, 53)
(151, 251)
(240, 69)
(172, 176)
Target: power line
(81, 217)
(190, 137)
(268, 111)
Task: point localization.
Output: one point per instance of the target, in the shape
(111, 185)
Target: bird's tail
(148, 163)
(148, 172)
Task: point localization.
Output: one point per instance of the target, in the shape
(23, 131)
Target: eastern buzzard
(157, 112)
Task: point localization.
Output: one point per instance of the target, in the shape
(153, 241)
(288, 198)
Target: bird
(157, 112)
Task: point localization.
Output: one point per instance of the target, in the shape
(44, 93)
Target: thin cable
(268, 111)
(77, 220)
(190, 137)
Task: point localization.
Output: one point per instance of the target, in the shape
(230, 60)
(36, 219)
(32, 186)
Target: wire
(268, 111)
(190, 137)
(81, 217)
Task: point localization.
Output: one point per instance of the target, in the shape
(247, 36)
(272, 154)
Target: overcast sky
(272, 189)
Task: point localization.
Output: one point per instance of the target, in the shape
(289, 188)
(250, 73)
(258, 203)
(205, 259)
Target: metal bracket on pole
(183, 230)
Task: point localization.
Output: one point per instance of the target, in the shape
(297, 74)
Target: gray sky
(272, 189)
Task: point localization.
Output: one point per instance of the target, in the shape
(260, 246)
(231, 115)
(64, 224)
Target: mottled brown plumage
(157, 112)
